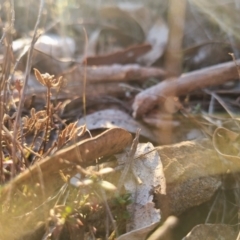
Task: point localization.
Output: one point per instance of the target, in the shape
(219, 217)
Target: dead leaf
(148, 167)
(83, 153)
(158, 38)
(139, 234)
(110, 118)
(52, 53)
(192, 170)
(56, 46)
(164, 230)
(212, 231)
(125, 56)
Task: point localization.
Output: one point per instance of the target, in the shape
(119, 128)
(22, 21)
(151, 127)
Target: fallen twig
(113, 73)
(102, 80)
(211, 76)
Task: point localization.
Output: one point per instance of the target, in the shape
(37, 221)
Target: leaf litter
(161, 91)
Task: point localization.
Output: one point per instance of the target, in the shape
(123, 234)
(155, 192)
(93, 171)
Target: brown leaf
(212, 231)
(125, 56)
(83, 153)
(109, 118)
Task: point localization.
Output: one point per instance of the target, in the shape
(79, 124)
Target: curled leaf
(106, 170)
(107, 185)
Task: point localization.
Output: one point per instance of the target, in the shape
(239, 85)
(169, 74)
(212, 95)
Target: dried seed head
(47, 80)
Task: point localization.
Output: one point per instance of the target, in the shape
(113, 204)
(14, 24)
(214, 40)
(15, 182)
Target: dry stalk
(176, 21)
(85, 73)
(27, 72)
(49, 82)
(8, 57)
(129, 162)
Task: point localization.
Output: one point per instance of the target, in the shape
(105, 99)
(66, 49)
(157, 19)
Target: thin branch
(27, 72)
(8, 56)
(85, 74)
